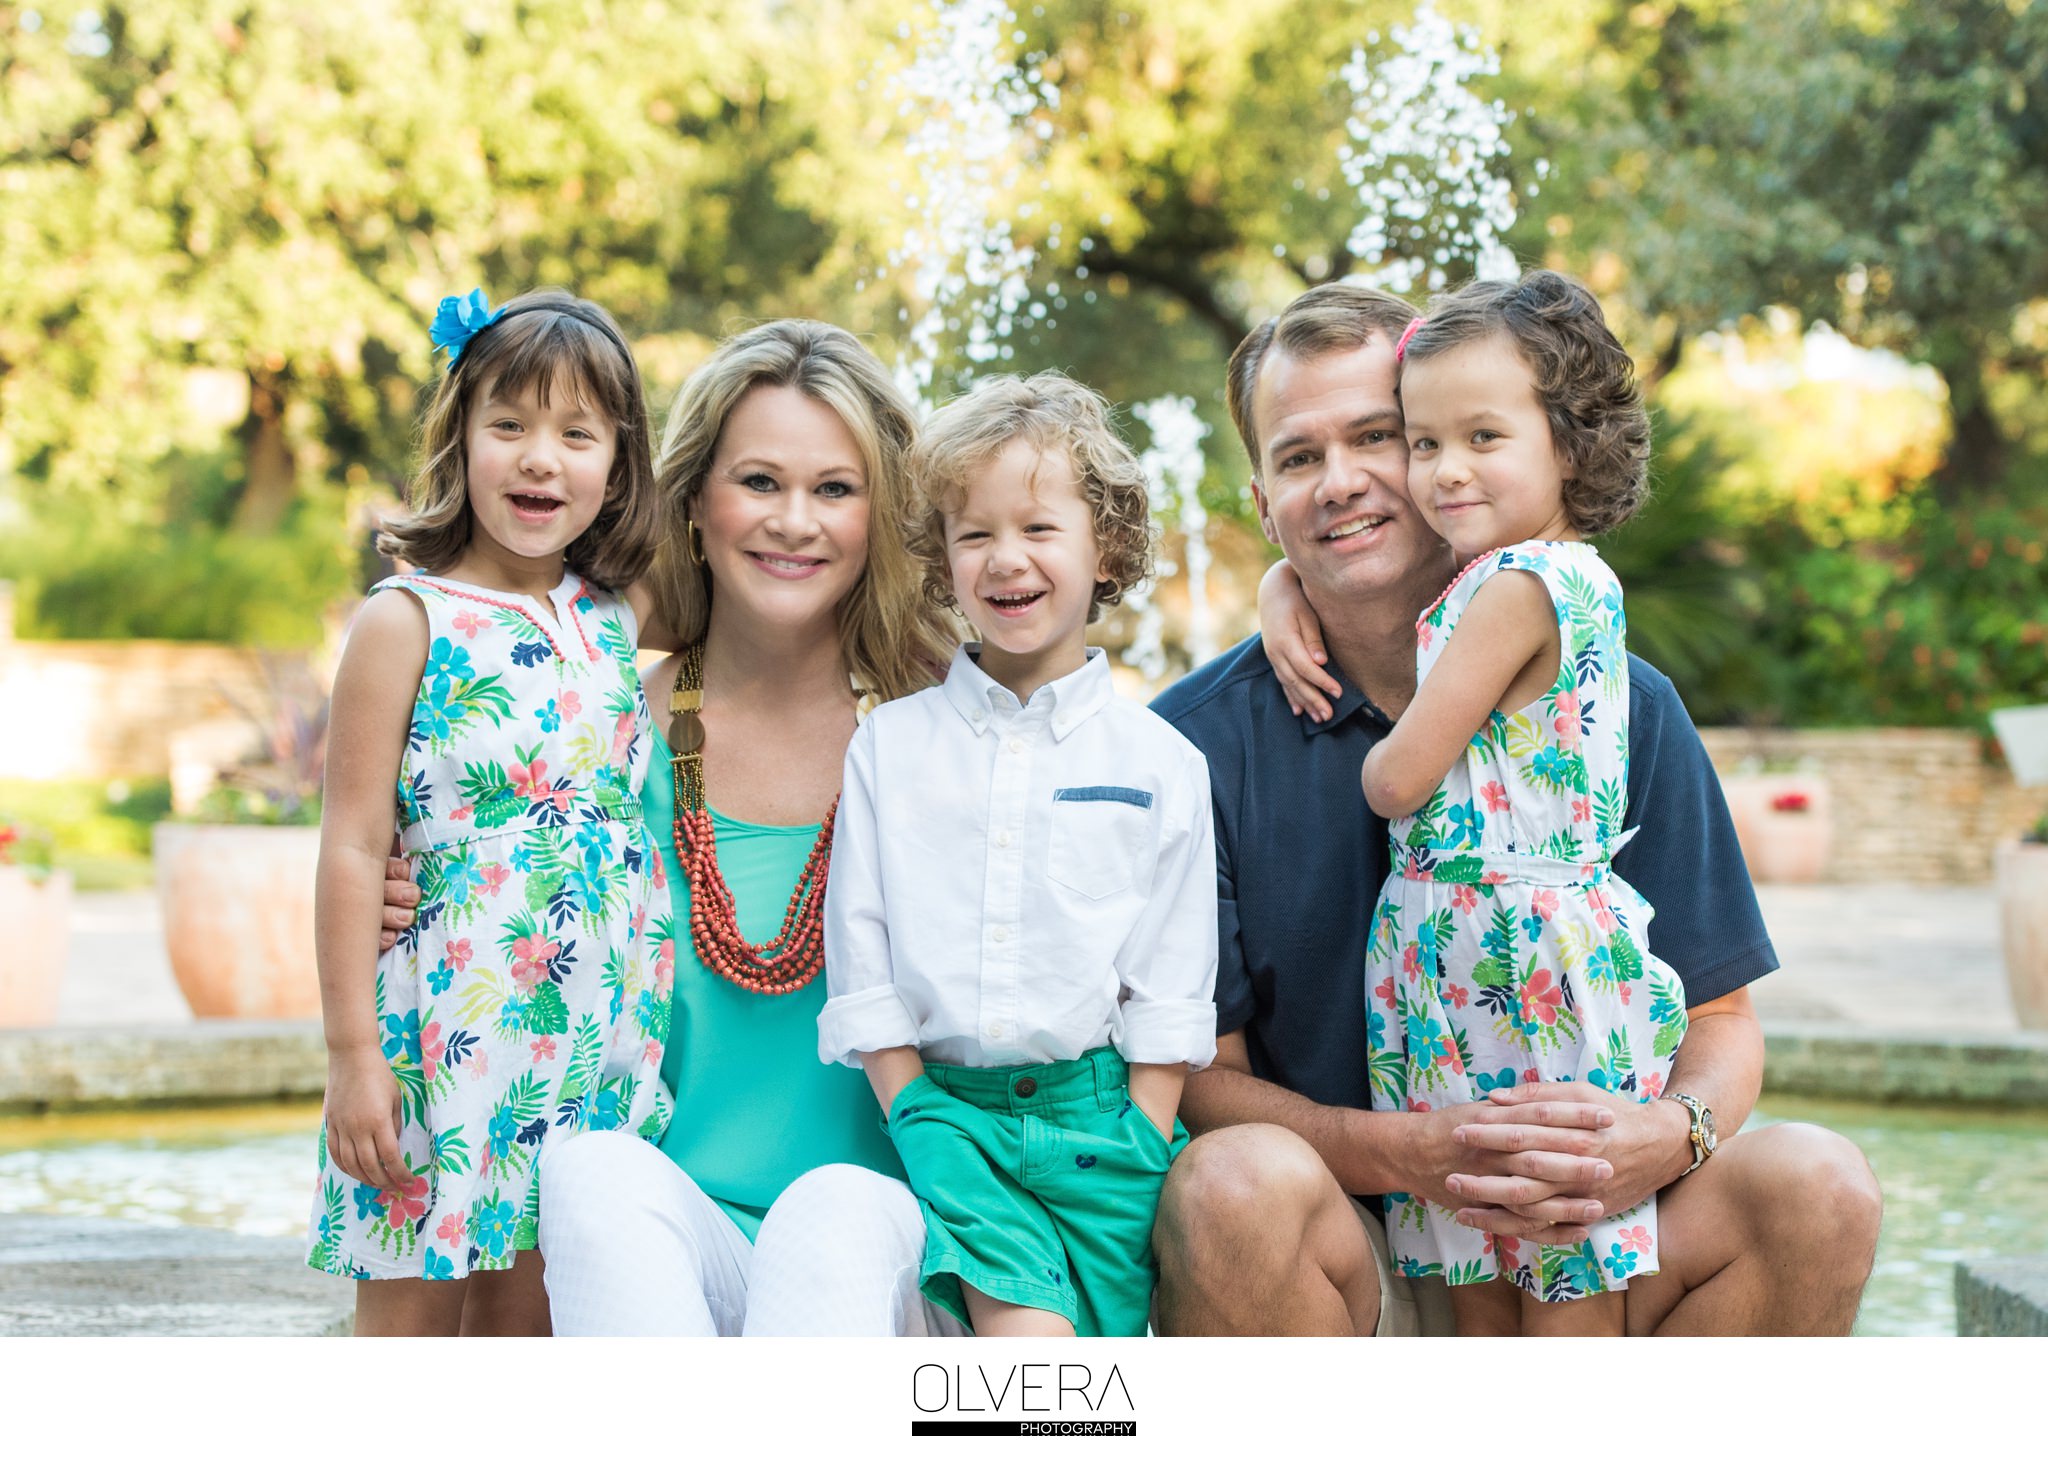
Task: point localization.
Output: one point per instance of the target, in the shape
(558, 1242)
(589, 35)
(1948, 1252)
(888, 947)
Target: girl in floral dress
(1504, 948)
(489, 712)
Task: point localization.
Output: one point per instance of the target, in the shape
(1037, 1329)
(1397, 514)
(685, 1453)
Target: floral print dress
(525, 1002)
(1504, 948)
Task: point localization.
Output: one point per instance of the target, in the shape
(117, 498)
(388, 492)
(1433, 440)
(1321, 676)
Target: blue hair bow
(460, 318)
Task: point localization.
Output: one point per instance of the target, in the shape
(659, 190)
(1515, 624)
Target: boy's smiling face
(1024, 560)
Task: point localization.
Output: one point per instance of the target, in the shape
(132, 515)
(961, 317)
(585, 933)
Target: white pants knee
(838, 1255)
(633, 1247)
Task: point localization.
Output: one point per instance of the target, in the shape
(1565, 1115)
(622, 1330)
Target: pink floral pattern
(1504, 949)
(524, 1003)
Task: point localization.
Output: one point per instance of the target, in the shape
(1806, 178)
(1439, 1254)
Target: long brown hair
(892, 641)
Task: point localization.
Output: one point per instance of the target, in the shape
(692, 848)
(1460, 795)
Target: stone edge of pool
(105, 1067)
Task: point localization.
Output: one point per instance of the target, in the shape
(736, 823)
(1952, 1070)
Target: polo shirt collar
(1349, 702)
(1067, 702)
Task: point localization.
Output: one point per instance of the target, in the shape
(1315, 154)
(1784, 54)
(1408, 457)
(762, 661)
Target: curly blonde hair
(1583, 376)
(891, 642)
(1051, 412)
(553, 342)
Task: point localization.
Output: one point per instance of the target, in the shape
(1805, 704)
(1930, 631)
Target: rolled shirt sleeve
(1167, 1011)
(863, 1010)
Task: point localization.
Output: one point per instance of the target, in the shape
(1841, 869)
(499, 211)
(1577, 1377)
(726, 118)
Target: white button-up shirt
(1013, 884)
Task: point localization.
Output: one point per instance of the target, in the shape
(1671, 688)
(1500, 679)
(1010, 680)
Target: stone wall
(1905, 805)
(107, 710)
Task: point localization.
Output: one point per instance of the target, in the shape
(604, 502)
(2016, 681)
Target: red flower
(403, 1205)
(530, 781)
(543, 1048)
(430, 1050)
(451, 1227)
(468, 623)
(495, 874)
(1636, 1238)
(1544, 903)
(1465, 899)
(1494, 794)
(1459, 997)
(459, 954)
(1582, 808)
(1542, 995)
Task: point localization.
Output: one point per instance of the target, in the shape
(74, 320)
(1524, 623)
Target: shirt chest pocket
(1098, 834)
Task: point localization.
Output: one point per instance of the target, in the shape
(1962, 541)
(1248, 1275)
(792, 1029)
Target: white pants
(634, 1247)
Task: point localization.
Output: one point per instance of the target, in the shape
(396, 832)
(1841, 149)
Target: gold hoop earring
(693, 543)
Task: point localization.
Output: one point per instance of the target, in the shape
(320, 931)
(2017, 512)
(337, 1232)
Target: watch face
(1708, 1137)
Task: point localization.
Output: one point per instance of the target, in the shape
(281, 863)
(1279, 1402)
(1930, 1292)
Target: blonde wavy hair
(892, 641)
(1053, 413)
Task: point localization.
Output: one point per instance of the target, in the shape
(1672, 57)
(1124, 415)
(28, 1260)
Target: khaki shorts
(1407, 1306)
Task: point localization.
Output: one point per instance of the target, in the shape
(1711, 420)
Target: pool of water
(1958, 1184)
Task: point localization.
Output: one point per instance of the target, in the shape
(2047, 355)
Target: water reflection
(1958, 1184)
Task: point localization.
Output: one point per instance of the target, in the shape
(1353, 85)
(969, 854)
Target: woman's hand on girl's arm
(374, 690)
(1156, 1089)
(1509, 628)
(889, 1071)
(1293, 639)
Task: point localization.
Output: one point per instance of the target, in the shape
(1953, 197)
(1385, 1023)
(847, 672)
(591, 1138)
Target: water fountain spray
(976, 111)
(1424, 155)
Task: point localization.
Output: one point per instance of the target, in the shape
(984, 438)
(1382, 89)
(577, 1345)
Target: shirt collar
(1068, 702)
(1351, 701)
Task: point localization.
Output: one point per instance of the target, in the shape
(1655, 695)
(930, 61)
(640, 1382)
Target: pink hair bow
(1408, 335)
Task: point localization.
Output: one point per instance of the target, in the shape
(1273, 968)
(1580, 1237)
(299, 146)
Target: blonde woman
(784, 579)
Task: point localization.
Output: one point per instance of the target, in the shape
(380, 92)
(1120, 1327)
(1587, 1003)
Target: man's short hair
(1338, 317)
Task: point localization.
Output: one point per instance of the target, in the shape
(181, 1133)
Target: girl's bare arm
(374, 690)
(1293, 639)
(1504, 651)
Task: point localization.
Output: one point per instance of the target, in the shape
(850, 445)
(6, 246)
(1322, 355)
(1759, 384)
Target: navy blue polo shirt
(1300, 859)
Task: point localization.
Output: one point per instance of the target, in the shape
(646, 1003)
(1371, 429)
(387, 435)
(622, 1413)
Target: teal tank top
(755, 1107)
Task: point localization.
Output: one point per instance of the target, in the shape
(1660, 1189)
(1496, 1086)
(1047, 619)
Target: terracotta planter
(2023, 921)
(1781, 845)
(35, 938)
(238, 918)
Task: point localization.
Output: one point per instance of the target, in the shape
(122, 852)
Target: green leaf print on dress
(1504, 948)
(518, 1006)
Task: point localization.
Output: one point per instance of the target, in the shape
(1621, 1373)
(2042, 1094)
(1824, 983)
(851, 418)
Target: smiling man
(1267, 1224)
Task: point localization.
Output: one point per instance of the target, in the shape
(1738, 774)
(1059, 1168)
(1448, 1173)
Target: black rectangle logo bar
(1016, 1427)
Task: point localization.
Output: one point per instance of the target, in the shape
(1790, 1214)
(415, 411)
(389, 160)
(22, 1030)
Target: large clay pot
(2023, 922)
(238, 918)
(1783, 824)
(35, 938)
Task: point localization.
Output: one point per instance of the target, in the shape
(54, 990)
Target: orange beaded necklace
(792, 958)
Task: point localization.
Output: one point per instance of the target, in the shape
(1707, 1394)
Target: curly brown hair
(1052, 412)
(1584, 378)
(555, 342)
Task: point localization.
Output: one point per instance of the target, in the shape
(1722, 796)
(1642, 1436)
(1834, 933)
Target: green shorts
(1038, 1185)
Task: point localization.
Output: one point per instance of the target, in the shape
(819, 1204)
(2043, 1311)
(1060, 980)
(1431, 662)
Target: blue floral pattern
(530, 996)
(1504, 948)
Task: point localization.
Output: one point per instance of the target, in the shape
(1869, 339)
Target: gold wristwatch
(1702, 1135)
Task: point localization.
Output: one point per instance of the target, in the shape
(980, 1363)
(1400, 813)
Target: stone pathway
(1922, 960)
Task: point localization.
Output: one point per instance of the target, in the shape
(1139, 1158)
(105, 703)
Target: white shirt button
(1001, 935)
(1015, 746)
(1002, 838)
(995, 1031)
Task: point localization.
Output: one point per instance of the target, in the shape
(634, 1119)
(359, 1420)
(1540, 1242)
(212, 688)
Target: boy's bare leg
(1255, 1238)
(509, 1301)
(409, 1306)
(1001, 1318)
(1492, 1308)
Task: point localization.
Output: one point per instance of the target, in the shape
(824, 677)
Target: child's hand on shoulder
(1293, 639)
(363, 1118)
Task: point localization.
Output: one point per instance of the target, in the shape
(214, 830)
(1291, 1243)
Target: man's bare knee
(1251, 1182)
(1838, 1202)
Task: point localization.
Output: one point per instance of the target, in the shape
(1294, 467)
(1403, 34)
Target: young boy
(1020, 926)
